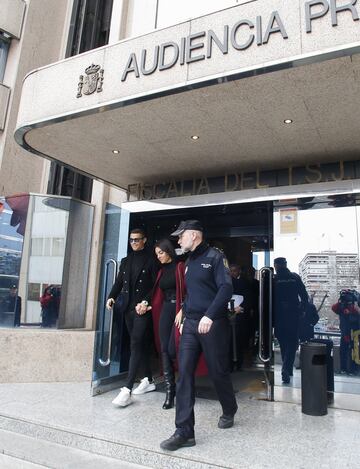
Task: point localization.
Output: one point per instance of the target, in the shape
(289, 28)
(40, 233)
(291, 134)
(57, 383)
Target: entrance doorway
(319, 237)
(245, 234)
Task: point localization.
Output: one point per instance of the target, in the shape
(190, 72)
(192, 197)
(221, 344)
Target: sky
(318, 230)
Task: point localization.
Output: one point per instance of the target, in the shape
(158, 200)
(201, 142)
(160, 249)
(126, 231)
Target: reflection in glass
(41, 240)
(13, 213)
(321, 244)
(49, 222)
(50, 304)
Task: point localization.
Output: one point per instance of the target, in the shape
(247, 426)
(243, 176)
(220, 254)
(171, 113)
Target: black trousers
(140, 332)
(215, 345)
(288, 345)
(166, 329)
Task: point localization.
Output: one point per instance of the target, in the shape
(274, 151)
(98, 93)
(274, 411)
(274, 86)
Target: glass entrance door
(319, 238)
(111, 348)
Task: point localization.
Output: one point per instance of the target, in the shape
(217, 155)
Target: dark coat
(290, 299)
(157, 302)
(142, 290)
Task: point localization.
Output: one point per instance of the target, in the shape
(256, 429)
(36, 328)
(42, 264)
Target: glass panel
(76, 264)
(4, 49)
(44, 253)
(115, 224)
(320, 240)
(13, 214)
(49, 219)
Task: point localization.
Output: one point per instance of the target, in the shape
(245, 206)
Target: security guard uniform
(209, 289)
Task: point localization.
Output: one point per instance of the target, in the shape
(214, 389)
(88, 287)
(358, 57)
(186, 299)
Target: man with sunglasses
(132, 290)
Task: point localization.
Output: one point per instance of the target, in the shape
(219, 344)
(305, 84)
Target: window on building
(54, 247)
(36, 246)
(58, 247)
(89, 29)
(4, 49)
(33, 292)
(90, 25)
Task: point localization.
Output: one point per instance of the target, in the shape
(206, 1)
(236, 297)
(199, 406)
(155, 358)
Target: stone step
(26, 452)
(57, 447)
(9, 462)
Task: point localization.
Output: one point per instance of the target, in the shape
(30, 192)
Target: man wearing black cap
(206, 329)
(290, 299)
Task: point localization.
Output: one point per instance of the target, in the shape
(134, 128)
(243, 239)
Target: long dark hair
(167, 246)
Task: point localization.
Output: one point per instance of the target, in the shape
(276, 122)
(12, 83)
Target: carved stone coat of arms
(92, 81)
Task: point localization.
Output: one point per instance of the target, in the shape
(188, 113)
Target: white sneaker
(123, 398)
(144, 387)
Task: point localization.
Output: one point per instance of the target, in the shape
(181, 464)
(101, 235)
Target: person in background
(348, 310)
(241, 320)
(250, 273)
(12, 303)
(50, 303)
(290, 299)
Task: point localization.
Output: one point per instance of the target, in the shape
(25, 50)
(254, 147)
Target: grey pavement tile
(265, 434)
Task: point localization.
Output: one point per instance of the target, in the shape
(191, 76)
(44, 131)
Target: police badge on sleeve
(226, 264)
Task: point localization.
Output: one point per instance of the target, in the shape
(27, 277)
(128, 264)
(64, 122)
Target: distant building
(326, 273)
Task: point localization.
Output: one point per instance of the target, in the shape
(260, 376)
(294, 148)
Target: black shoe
(169, 378)
(226, 421)
(177, 441)
(169, 400)
(285, 378)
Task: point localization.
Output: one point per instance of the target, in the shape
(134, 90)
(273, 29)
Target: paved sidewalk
(266, 434)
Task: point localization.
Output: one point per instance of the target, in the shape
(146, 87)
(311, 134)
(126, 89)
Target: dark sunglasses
(135, 240)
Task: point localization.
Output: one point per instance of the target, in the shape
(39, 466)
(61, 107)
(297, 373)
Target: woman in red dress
(169, 293)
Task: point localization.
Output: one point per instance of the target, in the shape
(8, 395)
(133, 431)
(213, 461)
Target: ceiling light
(116, 152)
(288, 121)
(195, 137)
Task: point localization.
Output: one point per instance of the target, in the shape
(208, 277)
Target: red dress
(157, 302)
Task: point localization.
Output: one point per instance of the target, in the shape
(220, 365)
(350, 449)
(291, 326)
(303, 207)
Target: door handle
(265, 323)
(106, 362)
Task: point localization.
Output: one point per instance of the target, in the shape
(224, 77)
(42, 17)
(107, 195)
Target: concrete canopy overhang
(236, 102)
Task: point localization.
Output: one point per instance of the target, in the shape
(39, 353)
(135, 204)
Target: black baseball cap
(187, 225)
(280, 261)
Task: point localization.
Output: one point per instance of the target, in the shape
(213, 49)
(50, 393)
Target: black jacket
(129, 295)
(290, 299)
(208, 284)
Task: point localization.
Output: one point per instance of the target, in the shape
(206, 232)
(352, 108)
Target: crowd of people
(187, 309)
(183, 307)
(188, 299)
